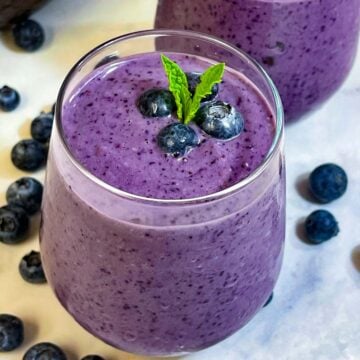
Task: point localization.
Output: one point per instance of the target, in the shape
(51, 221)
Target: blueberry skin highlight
(26, 193)
(320, 226)
(177, 139)
(328, 182)
(31, 269)
(28, 35)
(41, 127)
(14, 224)
(28, 155)
(9, 98)
(44, 351)
(220, 120)
(156, 103)
(11, 332)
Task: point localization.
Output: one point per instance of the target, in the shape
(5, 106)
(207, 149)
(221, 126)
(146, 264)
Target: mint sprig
(188, 105)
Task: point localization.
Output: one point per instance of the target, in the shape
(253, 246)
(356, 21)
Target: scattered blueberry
(268, 301)
(11, 332)
(14, 224)
(328, 182)
(31, 269)
(106, 60)
(28, 155)
(156, 103)
(44, 351)
(28, 35)
(177, 139)
(321, 226)
(92, 357)
(26, 193)
(220, 120)
(9, 98)
(41, 127)
(193, 79)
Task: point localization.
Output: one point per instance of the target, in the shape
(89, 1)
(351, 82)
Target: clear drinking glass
(162, 277)
(307, 46)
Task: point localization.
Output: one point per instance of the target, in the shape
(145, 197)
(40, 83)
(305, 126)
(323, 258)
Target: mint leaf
(178, 85)
(188, 105)
(208, 79)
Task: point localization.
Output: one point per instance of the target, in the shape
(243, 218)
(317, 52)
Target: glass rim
(279, 117)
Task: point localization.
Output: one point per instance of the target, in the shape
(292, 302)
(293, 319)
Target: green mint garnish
(188, 105)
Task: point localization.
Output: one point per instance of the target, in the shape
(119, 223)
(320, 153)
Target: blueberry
(11, 332)
(44, 351)
(268, 301)
(9, 98)
(26, 193)
(220, 120)
(28, 35)
(28, 155)
(156, 103)
(328, 182)
(14, 224)
(53, 108)
(41, 127)
(92, 357)
(106, 60)
(321, 226)
(193, 79)
(177, 139)
(31, 269)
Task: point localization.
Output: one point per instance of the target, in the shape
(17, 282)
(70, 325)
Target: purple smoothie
(151, 278)
(109, 136)
(307, 46)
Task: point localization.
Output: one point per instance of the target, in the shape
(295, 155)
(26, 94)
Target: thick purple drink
(154, 254)
(308, 47)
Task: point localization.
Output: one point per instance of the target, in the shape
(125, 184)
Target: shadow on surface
(355, 258)
(24, 129)
(70, 354)
(31, 331)
(7, 169)
(302, 187)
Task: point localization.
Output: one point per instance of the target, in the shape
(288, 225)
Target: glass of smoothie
(158, 252)
(307, 46)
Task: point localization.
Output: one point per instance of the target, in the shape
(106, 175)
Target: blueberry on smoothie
(41, 127)
(193, 79)
(26, 193)
(321, 226)
(31, 269)
(14, 224)
(220, 120)
(156, 103)
(9, 98)
(11, 332)
(328, 182)
(28, 35)
(44, 351)
(177, 139)
(92, 357)
(28, 155)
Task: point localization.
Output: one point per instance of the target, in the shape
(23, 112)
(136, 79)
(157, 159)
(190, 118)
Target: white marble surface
(315, 314)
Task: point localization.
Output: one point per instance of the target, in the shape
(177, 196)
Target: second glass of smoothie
(307, 46)
(157, 254)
